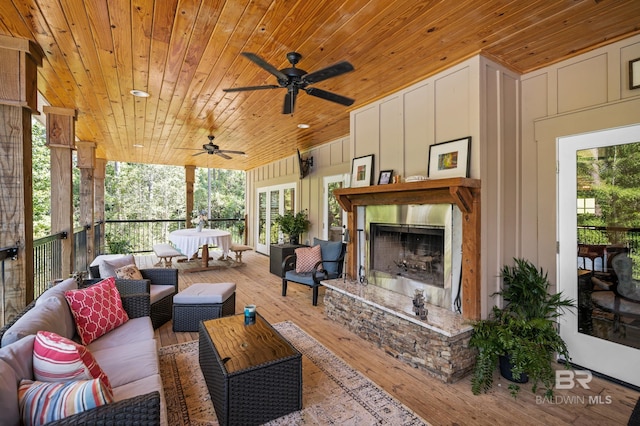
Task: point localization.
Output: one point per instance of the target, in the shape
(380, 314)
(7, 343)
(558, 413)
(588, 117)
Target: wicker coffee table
(253, 374)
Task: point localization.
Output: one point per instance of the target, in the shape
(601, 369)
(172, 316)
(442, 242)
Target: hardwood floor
(436, 402)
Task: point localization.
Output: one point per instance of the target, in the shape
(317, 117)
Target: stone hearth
(439, 345)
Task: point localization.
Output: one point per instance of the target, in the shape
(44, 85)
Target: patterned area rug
(333, 392)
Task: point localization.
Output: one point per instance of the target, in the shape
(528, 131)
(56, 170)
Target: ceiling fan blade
(223, 155)
(199, 153)
(289, 102)
(232, 152)
(244, 89)
(328, 72)
(329, 96)
(265, 65)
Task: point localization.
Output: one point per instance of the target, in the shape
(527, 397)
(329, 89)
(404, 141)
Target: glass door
(599, 249)
(272, 201)
(334, 217)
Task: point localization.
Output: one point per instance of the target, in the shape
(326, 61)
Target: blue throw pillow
(330, 251)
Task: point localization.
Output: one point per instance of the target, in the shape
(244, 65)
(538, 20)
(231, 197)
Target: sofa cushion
(128, 272)
(19, 356)
(9, 395)
(58, 290)
(141, 387)
(331, 250)
(117, 361)
(44, 402)
(159, 292)
(134, 330)
(97, 309)
(107, 264)
(50, 315)
(58, 359)
(307, 258)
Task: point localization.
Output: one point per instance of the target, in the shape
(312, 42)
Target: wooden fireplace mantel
(463, 192)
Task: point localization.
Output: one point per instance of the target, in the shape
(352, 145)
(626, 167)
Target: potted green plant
(292, 225)
(522, 335)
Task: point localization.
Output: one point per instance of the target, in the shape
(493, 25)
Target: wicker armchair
(328, 268)
(154, 283)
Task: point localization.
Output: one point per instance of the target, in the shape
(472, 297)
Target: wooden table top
(247, 346)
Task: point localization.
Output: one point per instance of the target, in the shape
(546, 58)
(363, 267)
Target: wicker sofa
(128, 355)
(161, 284)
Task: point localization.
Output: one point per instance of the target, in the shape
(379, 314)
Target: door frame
(264, 248)
(325, 201)
(585, 350)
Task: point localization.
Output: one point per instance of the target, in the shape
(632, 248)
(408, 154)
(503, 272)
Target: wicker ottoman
(202, 301)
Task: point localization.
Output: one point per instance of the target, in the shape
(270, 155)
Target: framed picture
(385, 177)
(450, 159)
(634, 74)
(362, 171)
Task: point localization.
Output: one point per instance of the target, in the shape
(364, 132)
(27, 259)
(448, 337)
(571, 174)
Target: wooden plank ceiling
(184, 52)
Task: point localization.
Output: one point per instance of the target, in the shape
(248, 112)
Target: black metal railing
(139, 236)
(47, 261)
(600, 235)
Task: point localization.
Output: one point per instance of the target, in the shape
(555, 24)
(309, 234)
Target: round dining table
(189, 241)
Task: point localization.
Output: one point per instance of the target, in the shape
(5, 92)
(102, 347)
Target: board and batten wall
(332, 158)
(587, 93)
(476, 98)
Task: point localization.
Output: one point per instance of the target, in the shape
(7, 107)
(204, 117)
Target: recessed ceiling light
(139, 93)
(137, 145)
(303, 126)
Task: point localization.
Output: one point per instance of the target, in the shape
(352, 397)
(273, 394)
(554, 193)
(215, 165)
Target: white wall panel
(582, 84)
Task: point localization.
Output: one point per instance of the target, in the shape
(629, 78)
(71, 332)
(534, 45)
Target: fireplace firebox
(412, 251)
(413, 248)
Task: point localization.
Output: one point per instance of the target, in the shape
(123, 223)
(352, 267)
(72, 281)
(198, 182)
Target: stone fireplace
(412, 236)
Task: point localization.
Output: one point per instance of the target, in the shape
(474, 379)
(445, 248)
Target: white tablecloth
(189, 241)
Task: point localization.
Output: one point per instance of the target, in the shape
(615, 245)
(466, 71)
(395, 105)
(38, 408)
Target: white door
(272, 201)
(598, 179)
(334, 217)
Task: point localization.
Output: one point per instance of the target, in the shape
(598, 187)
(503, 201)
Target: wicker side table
(253, 374)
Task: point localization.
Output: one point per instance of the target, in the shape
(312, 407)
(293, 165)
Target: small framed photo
(450, 159)
(385, 177)
(362, 171)
(634, 74)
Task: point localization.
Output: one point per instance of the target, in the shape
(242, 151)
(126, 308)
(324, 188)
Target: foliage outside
(138, 192)
(524, 330)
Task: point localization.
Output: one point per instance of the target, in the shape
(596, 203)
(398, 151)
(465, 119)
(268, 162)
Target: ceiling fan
(210, 148)
(295, 79)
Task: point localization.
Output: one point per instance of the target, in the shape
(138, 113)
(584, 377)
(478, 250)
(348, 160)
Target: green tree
(41, 170)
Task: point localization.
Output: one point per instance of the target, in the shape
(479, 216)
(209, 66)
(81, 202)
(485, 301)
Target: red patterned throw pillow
(307, 257)
(58, 359)
(96, 309)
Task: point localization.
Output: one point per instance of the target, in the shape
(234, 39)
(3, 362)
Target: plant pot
(506, 367)
(294, 240)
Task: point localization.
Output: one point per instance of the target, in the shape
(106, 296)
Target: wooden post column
(19, 62)
(99, 174)
(60, 139)
(190, 178)
(86, 164)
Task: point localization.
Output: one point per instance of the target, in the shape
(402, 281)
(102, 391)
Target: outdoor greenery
(138, 191)
(524, 330)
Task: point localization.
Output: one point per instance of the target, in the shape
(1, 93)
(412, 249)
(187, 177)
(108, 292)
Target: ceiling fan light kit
(295, 79)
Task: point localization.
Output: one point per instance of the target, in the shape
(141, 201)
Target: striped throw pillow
(307, 257)
(58, 359)
(44, 402)
(96, 309)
